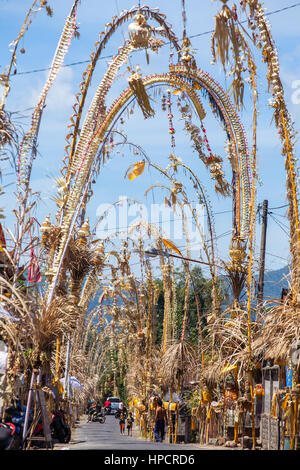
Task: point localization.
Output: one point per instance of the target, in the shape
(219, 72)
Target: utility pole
(260, 288)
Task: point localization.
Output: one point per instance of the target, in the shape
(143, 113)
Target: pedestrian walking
(130, 421)
(122, 422)
(160, 422)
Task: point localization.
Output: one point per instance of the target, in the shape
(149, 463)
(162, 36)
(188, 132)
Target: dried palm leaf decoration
(136, 84)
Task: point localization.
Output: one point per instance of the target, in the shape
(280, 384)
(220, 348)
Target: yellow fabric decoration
(274, 412)
(228, 368)
(137, 170)
(171, 245)
(178, 91)
(60, 387)
(196, 86)
(194, 425)
(206, 396)
(285, 403)
(236, 432)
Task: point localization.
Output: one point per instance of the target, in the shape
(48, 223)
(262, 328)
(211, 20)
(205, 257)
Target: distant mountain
(95, 301)
(274, 282)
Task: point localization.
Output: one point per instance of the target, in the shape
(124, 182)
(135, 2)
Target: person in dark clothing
(130, 421)
(94, 408)
(160, 422)
(98, 406)
(122, 422)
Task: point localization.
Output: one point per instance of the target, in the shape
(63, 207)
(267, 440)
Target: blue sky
(40, 43)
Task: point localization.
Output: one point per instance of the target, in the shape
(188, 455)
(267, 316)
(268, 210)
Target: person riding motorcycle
(89, 405)
(107, 406)
(95, 408)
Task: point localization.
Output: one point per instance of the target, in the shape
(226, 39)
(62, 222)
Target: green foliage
(200, 287)
(192, 399)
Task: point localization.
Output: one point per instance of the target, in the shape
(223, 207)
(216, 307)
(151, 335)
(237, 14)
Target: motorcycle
(7, 431)
(98, 416)
(107, 410)
(12, 429)
(60, 430)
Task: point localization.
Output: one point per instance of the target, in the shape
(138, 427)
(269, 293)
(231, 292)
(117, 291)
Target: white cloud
(61, 94)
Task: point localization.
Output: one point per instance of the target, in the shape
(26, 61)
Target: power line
(204, 33)
(280, 215)
(276, 256)
(279, 224)
(279, 207)
(64, 65)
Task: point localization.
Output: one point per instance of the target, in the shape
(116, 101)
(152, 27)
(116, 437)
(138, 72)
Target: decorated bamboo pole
(249, 333)
(177, 407)
(67, 368)
(181, 351)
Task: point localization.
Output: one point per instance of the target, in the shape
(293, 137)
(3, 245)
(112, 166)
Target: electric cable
(204, 33)
(279, 224)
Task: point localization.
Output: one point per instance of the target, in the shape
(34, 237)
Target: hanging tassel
(137, 86)
(34, 274)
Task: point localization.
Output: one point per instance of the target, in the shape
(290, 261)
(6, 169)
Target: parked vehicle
(7, 431)
(60, 430)
(115, 401)
(14, 420)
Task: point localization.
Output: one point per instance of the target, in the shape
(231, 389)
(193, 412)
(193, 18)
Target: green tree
(200, 291)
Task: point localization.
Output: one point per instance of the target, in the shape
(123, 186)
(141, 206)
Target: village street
(96, 436)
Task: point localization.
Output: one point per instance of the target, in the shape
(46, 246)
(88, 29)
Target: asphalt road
(96, 436)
